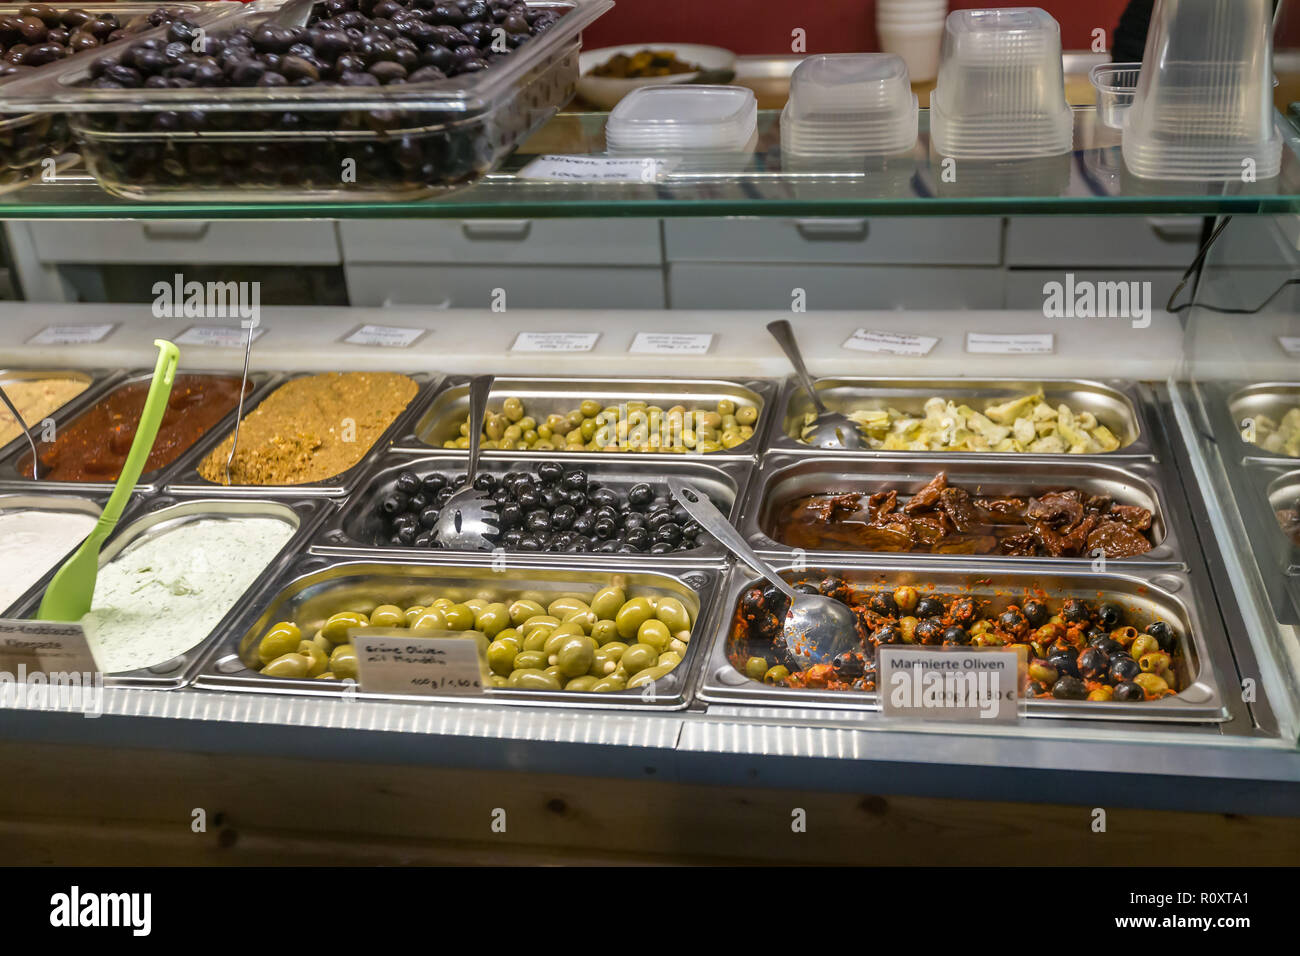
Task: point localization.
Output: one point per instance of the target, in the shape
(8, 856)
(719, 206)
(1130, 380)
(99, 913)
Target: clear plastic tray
(326, 142)
(860, 103)
(662, 118)
(31, 143)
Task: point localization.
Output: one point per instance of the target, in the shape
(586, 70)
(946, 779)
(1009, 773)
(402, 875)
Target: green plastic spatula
(70, 592)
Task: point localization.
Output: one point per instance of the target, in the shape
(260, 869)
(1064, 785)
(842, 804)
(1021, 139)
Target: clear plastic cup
(1115, 84)
(859, 103)
(1203, 108)
(685, 118)
(1001, 87)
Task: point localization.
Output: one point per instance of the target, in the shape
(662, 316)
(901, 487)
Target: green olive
(412, 613)
(343, 661)
(460, 617)
(602, 632)
(492, 620)
(501, 656)
(282, 638)
(513, 409)
(606, 658)
(539, 619)
(319, 660)
(586, 619)
(535, 638)
(562, 606)
(673, 613)
(336, 628)
(677, 645)
(609, 684)
(559, 675)
(559, 636)
(498, 681)
(583, 683)
(523, 609)
(726, 407)
(430, 619)
(638, 657)
(607, 602)
(632, 615)
(655, 633)
(533, 678)
(755, 668)
(747, 414)
(288, 665)
(319, 640)
(647, 675)
(531, 660)
(669, 659)
(777, 674)
(589, 408)
(576, 655)
(387, 615)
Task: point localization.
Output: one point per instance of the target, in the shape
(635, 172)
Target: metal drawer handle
(183, 231)
(497, 229)
(1171, 229)
(818, 230)
(391, 303)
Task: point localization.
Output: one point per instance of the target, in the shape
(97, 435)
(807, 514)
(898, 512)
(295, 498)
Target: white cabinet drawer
(1079, 241)
(922, 241)
(186, 241)
(525, 287)
(725, 286)
(572, 242)
(1025, 286)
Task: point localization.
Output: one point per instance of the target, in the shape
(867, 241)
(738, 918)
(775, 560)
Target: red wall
(833, 26)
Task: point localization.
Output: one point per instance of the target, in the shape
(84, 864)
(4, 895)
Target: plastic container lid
(1000, 93)
(1204, 100)
(687, 117)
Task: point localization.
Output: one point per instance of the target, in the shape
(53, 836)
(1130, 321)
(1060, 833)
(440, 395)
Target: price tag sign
(71, 334)
(44, 646)
(948, 684)
(555, 341)
(672, 343)
(890, 343)
(395, 661)
(1290, 344)
(596, 169)
(384, 336)
(986, 343)
(217, 336)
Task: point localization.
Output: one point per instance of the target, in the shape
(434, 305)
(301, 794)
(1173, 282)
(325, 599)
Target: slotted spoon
(470, 515)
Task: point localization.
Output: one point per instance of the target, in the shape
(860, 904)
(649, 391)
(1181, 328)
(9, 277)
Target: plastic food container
(657, 119)
(855, 103)
(1115, 84)
(1204, 100)
(1001, 86)
(32, 143)
(326, 142)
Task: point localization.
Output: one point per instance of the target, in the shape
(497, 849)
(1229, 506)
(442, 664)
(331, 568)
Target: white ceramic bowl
(605, 92)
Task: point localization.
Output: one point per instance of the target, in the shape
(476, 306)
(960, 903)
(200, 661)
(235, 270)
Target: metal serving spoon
(816, 628)
(470, 515)
(830, 429)
(27, 432)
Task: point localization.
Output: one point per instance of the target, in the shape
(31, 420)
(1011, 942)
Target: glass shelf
(1090, 181)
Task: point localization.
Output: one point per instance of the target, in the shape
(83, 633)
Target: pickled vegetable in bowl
(643, 64)
(1279, 437)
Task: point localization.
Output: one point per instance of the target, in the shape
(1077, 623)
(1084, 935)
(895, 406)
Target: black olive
(1036, 689)
(512, 538)
(1110, 616)
(1109, 647)
(661, 547)
(407, 483)
(956, 635)
(529, 499)
(657, 518)
(1124, 669)
(424, 540)
(633, 521)
(552, 497)
(604, 529)
(1069, 688)
(963, 611)
(1095, 635)
(670, 533)
(530, 543)
(485, 482)
(882, 602)
(848, 666)
(929, 632)
(1076, 611)
(537, 521)
(511, 515)
(889, 634)
(406, 536)
(803, 587)
(1163, 633)
(1128, 691)
(605, 497)
(1013, 622)
(639, 538)
(563, 517)
(550, 471)
(930, 607)
(433, 483)
(429, 517)
(394, 504)
(419, 501)
(1092, 664)
(1065, 662)
(640, 495)
(1036, 613)
(575, 481)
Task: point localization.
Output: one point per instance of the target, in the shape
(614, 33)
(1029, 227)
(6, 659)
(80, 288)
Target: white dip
(158, 599)
(32, 542)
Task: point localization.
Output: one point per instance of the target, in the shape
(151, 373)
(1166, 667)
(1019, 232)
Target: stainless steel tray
(317, 586)
(784, 476)
(1273, 399)
(1119, 405)
(1171, 595)
(97, 381)
(348, 530)
(150, 481)
(185, 479)
(159, 514)
(32, 502)
(544, 396)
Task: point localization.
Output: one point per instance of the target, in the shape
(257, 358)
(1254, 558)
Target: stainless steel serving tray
(1170, 594)
(784, 476)
(185, 479)
(32, 502)
(544, 396)
(1119, 405)
(157, 515)
(347, 531)
(317, 586)
(97, 381)
(150, 481)
(1273, 399)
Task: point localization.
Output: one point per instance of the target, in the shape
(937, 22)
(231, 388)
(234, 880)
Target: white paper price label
(555, 341)
(596, 169)
(217, 336)
(71, 334)
(949, 684)
(890, 343)
(384, 336)
(672, 343)
(992, 343)
(1290, 344)
(44, 646)
(395, 661)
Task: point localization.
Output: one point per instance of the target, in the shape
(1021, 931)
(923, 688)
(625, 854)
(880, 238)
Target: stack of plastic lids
(684, 119)
(850, 104)
(1001, 87)
(1203, 108)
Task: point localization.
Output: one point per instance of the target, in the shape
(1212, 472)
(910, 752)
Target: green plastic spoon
(70, 592)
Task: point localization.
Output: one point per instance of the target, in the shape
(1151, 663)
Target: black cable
(1195, 268)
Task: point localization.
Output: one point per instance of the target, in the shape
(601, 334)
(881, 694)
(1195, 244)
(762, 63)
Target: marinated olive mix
(609, 643)
(1077, 649)
(350, 43)
(630, 426)
(553, 509)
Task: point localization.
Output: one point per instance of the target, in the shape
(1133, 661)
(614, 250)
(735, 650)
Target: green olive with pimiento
(283, 638)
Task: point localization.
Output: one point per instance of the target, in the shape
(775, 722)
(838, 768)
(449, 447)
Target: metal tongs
(13, 410)
(239, 414)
